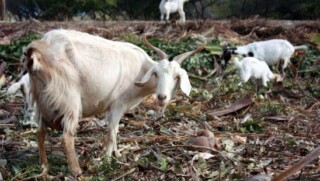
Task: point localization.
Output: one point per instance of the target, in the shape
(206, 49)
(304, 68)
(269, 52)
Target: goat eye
(177, 77)
(155, 74)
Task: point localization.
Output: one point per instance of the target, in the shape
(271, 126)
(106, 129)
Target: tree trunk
(2, 9)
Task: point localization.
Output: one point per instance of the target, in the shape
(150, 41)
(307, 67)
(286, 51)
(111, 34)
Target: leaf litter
(250, 134)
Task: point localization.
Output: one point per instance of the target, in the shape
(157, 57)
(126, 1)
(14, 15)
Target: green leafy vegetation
(14, 50)
(145, 9)
(252, 126)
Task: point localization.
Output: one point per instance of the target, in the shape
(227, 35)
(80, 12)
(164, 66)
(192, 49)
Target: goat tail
(300, 47)
(237, 62)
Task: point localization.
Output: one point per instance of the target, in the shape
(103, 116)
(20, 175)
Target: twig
(7, 125)
(125, 174)
(201, 147)
(197, 77)
(9, 57)
(151, 138)
(252, 31)
(28, 178)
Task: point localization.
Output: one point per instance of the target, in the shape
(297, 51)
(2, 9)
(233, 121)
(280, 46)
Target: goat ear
(32, 60)
(145, 78)
(33, 57)
(185, 85)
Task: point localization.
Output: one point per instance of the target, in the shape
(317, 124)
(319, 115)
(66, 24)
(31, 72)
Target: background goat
(270, 51)
(171, 6)
(74, 75)
(24, 86)
(251, 67)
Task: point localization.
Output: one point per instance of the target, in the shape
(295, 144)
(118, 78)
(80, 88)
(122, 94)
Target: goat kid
(171, 6)
(24, 86)
(271, 51)
(250, 67)
(74, 75)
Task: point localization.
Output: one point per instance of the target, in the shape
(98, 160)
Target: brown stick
(299, 165)
(152, 138)
(2, 67)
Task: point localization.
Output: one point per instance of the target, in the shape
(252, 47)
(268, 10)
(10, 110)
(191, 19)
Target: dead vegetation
(251, 134)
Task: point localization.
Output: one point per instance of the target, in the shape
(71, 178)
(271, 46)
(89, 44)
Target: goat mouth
(161, 103)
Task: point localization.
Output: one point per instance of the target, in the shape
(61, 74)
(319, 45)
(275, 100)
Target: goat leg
(41, 135)
(294, 70)
(109, 145)
(68, 142)
(109, 142)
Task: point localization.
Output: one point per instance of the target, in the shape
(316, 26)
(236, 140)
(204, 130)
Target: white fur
(171, 6)
(250, 67)
(270, 51)
(75, 75)
(24, 85)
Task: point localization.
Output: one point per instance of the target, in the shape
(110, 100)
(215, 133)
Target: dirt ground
(163, 149)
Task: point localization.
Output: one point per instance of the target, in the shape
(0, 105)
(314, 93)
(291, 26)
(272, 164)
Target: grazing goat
(171, 6)
(270, 51)
(250, 67)
(74, 75)
(24, 86)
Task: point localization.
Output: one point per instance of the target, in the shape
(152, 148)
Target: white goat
(251, 67)
(74, 75)
(270, 51)
(24, 86)
(171, 6)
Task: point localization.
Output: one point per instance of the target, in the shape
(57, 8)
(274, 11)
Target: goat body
(250, 67)
(171, 6)
(74, 75)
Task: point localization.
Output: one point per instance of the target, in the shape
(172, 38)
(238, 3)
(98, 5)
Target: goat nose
(162, 97)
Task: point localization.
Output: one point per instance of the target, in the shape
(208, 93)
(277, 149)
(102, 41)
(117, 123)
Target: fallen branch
(153, 138)
(9, 125)
(125, 174)
(2, 67)
(197, 77)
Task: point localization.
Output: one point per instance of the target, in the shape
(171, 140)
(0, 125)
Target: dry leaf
(242, 103)
(206, 133)
(138, 124)
(238, 139)
(203, 155)
(204, 141)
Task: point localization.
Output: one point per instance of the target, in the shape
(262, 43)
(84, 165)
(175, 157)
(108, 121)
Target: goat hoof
(44, 169)
(117, 153)
(76, 172)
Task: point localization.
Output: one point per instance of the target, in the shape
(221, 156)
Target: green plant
(252, 126)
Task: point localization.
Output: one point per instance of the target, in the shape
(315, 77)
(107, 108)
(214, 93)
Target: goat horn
(160, 53)
(181, 57)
